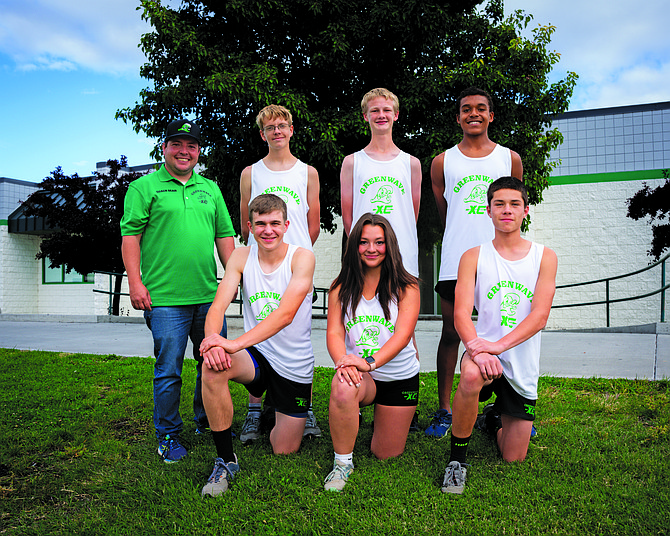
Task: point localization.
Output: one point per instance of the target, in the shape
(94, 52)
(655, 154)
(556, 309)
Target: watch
(371, 361)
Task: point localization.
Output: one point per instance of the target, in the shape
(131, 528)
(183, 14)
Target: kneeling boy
(511, 281)
(275, 352)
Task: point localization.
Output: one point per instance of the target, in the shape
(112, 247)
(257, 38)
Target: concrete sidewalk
(567, 354)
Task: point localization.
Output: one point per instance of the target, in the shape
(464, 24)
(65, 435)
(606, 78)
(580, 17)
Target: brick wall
(586, 225)
(19, 273)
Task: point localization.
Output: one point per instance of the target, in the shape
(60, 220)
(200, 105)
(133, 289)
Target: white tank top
(289, 351)
(368, 331)
(385, 187)
(503, 295)
(291, 186)
(466, 181)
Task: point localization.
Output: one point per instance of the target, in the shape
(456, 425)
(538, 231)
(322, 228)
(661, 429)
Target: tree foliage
(82, 215)
(655, 204)
(220, 62)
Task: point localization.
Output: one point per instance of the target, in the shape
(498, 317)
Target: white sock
(347, 459)
(254, 408)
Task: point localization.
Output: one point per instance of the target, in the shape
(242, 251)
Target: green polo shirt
(178, 223)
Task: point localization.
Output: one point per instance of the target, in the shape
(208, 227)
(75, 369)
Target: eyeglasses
(283, 127)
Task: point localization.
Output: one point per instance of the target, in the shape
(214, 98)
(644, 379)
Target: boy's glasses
(283, 127)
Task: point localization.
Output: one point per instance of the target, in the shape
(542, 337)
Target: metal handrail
(323, 306)
(607, 301)
(322, 293)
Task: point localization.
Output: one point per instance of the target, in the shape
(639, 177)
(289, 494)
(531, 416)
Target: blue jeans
(171, 327)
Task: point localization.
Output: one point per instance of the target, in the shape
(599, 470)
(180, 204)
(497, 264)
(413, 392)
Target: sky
(67, 66)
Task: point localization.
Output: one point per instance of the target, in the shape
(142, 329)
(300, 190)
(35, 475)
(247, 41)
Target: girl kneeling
(373, 307)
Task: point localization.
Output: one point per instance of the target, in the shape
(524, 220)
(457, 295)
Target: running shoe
(489, 421)
(454, 478)
(170, 449)
(221, 477)
(338, 477)
(251, 429)
(311, 428)
(439, 424)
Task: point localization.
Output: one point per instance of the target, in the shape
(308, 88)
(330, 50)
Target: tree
(654, 203)
(221, 62)
(83, 215)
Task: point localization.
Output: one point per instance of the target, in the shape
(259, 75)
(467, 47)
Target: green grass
(78, 456)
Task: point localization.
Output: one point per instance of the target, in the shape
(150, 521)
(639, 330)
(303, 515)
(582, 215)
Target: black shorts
(446, 290)
(288, 397)
(508, 401)
(398, 392)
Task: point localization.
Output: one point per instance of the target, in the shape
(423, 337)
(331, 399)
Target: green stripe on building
(646, 175)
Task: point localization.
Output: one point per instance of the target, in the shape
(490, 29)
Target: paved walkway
(566, 354)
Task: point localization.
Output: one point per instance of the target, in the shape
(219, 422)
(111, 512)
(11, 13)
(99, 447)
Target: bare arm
(245, 195)
(335, 341)
(517, 166)
(302, 267)
(211, 348)
(416, 185)
(465, 295)
(489, 364)
(437, 183)
(347, 192)
(131, 253)
(226, 291)
(314, 213)
(224, 246)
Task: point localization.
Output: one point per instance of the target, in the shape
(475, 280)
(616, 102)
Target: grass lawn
(78, 456)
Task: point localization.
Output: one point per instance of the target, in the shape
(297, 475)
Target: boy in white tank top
(274, 353)
(512, 282)
(460, 178)
(382, 179)
(297, 184)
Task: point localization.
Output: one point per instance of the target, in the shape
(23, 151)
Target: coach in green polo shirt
(173, 221)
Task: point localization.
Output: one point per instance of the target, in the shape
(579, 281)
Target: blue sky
(66, 66)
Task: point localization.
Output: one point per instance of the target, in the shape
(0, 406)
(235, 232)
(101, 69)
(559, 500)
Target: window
(58, 275)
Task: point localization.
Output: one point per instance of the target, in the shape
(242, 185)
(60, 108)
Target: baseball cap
(183, 127)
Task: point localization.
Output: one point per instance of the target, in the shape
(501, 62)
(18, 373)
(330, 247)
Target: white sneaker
(454, 478)
(221, 477)
(338, 477)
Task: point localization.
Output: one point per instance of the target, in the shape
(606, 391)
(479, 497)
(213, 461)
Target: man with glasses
(282, 174)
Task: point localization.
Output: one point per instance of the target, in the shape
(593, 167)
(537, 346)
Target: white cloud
(64, 34)
(619, 48)
(637, 85)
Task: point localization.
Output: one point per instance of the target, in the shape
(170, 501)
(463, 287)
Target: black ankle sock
(459, 448)
(224, 445)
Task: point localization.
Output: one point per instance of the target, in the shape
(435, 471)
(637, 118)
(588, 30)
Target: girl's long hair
(393, 280)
